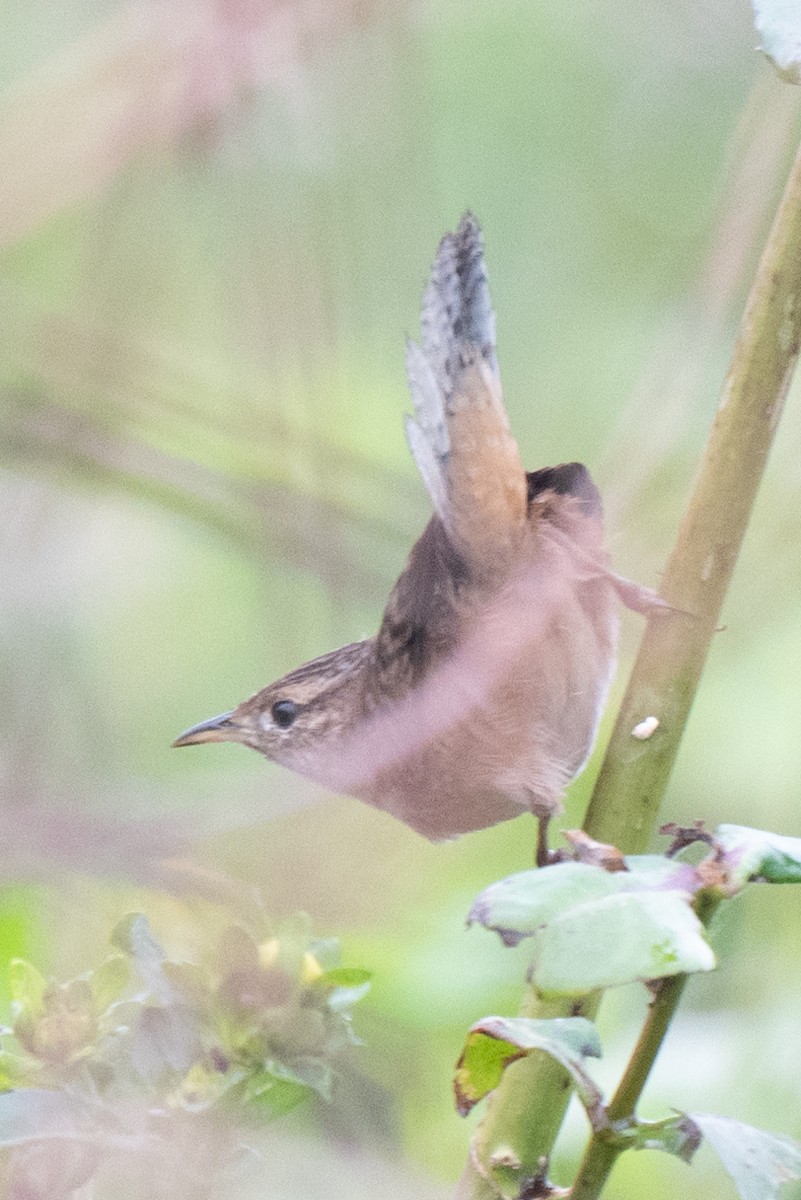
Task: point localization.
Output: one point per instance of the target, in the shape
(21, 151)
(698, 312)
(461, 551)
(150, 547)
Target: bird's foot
(641, 599)
(545, 857)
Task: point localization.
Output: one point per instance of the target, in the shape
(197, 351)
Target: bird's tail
(457, 309)
(460, 436)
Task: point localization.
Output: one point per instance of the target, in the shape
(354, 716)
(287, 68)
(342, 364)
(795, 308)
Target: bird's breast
(506, 719)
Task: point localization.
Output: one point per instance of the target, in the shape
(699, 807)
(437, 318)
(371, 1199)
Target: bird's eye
(284, 713)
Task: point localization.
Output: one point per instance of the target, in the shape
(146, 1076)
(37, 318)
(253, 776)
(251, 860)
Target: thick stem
(634, 775)
(625, 803)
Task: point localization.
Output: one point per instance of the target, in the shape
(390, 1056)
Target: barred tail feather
(456, 316)
(457, 310)
(460, 437)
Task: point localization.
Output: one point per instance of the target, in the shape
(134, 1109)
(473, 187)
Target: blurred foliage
(215, 225)
(167, 1072)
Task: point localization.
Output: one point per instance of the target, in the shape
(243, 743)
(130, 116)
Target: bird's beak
(216, 729)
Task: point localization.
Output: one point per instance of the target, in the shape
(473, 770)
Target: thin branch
(602, 1152)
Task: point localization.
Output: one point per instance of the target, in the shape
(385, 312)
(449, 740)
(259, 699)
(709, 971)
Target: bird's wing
(460, 436)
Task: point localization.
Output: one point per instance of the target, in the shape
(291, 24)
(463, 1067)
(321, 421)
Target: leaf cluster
(146, 1052)
(591, 927)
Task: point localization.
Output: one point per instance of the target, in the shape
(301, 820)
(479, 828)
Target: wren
(480, 695)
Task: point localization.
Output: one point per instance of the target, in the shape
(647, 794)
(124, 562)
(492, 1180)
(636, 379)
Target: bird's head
(297, 720)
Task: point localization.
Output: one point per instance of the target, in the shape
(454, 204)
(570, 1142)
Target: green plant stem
(525, 1112)
(602, 1151)
(667, 995)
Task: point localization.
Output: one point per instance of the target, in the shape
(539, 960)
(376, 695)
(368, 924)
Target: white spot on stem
(643, 730)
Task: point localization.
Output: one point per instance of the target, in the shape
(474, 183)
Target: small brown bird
(480, 695)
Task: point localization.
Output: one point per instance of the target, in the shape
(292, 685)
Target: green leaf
(349, 977)
(311, 1071)
(341, 1000)
(755, 854)
(594, 929)
(275, 1091)
(619, 939)
(758, 1162)
(132, 935)
(517, 906)
(203, 1086)
(677, 1135)
(27, 987)
(66, 1026)
(15, 1070)
(109, 981)
(778, 23)
(654, 872)
(495, 1042)
(347, 986)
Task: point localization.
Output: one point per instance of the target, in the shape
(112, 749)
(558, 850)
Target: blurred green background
(216, 221)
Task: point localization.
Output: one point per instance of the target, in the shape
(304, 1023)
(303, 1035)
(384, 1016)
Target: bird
(479, 697)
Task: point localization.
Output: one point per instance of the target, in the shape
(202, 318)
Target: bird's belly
(506, 723)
